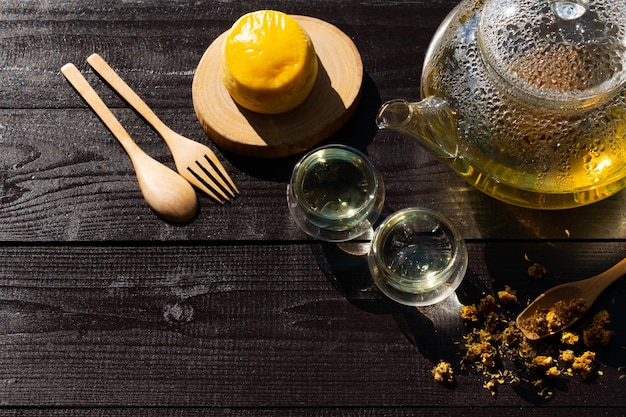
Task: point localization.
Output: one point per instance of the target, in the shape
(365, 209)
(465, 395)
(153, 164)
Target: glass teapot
(526, 99)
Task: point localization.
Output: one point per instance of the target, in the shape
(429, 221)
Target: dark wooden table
(107, 310)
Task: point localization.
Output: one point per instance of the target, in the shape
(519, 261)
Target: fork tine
(201, 181)
(213, 171)
(211, 158)
(208, 174)
(189, 150)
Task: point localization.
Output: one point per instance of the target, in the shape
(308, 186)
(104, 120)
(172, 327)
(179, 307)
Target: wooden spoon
(587, 289)
(166, 192)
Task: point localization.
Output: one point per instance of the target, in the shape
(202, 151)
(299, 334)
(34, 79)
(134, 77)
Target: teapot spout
(430, 121)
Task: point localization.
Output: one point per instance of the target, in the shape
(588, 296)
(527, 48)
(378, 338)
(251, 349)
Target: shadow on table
(434, 330)
(438, 331)
(358, 132)
(497, 220)
(571, 244)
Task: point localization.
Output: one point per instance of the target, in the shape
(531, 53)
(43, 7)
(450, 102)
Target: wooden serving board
(332, 101)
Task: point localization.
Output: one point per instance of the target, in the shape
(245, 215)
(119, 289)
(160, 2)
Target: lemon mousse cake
(269, 65)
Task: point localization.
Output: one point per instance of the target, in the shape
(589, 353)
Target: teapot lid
(559, 53)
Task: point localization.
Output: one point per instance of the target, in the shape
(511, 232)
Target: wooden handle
(595, 285)
(118, 84)
(612, 274)
(85, 90)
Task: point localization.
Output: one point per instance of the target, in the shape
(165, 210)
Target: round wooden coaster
(332, 101)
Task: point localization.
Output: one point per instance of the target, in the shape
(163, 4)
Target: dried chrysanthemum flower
(469, 313)
(443, 373)
(553, 372)
(596, 333)
(487, 304)
(569, 338)
(542, 362)
(568, 356)
(585, 364)
(507, 296)
(536, 271)
(545, 321)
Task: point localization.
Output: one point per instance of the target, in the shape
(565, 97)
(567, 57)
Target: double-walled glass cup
(335, 193)
(417, 257)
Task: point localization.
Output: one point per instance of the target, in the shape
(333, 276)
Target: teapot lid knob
(569, 9)
(555, 53)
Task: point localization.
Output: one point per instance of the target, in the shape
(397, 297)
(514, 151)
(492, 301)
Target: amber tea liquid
(521, 141)
(417, 259)
(337, 188)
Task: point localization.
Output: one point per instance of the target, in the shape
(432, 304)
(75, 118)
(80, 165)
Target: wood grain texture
(237, 326)
(64, 177)
(468, 411)
(107, 310)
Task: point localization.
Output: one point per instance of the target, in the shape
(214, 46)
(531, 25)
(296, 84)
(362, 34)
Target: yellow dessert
(269, 63)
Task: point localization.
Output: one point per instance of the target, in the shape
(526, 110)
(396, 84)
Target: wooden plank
(137, 39)
(245, 326)
(64, 177)
(469, 411)
(106, 310)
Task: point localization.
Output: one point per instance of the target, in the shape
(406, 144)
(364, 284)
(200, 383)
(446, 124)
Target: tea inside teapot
(534, 92)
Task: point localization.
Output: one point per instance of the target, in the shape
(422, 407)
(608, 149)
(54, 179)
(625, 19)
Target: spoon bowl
(167, 193)
(586, 290)
(170, 196)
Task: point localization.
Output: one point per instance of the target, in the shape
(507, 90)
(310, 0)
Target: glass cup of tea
(417, 257)
(335, 193)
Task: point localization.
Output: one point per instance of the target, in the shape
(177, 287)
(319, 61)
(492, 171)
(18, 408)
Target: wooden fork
(195, 162)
